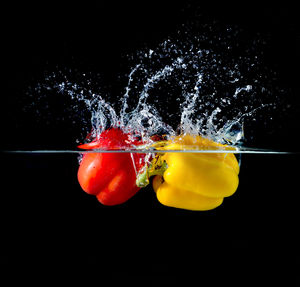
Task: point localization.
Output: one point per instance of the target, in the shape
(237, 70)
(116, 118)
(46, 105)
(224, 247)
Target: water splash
(187, 86)
(102, 113)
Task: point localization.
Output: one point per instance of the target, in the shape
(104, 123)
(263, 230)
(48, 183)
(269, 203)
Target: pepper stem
(156, 167)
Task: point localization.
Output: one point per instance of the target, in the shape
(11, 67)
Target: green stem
(156, 167)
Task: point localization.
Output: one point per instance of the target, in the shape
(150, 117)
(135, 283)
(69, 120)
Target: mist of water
(179, 87)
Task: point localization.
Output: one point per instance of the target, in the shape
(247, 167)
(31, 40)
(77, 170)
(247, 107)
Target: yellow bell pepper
(194, 181)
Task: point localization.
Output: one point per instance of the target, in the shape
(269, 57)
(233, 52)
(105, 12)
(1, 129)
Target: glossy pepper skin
(196, 181)
(110, 176)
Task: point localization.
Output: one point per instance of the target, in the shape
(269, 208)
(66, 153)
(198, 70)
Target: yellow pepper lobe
(196, 181)
(178, 198)
(200, 174)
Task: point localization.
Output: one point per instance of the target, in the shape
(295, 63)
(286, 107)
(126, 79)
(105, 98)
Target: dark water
(47, 220)
(46, 217)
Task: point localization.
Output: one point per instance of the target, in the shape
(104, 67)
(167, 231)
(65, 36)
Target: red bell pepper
(111, 177)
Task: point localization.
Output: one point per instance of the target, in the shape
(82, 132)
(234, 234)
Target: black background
(49, 224)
